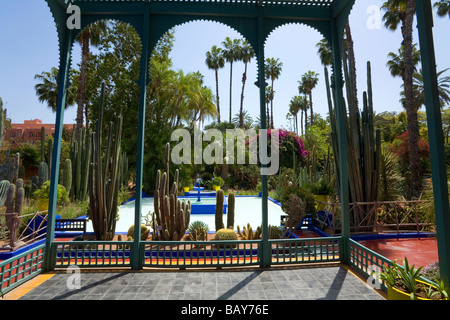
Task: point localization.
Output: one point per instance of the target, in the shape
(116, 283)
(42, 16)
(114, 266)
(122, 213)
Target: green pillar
(336, 43)
(136, 262)
(266, 251)
(436, 139)
(65, 57)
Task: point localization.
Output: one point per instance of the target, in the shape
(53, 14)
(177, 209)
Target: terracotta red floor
(420, 252)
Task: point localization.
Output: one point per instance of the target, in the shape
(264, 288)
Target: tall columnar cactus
(104, 176)
(67, 175)
(1, 121)
(219, 209)
(49, 155)
(231, 205)
(363, 145)
(171, 215)
(43, 174)
(10, 169)
(4, 186)
(14, 205)
(80, 153)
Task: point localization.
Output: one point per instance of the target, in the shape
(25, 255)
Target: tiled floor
(312, 283)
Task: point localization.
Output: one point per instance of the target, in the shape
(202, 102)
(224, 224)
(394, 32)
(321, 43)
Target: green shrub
(306, 196)
(218, 181)
(44, 191)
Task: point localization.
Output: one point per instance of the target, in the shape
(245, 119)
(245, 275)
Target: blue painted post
(336, 42)
(136, 261)
(63, 75)
(435, 134)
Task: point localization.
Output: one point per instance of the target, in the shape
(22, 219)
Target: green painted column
(266, 251)
(63, 78)
(136, 262)
(342, 138)
(435, 134)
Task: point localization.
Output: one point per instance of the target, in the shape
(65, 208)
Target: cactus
(80, 153)
(4, 185)
(231, 205)
(248, 234)
(42, 174)
(14, 206)
(225, 234)
(21, 173)
(50, 154)
(171, 215)
(10, 169)
(67, 175)
(104, 176)
(144, 232)
(219, 209)
(363, 145)
(199, 234)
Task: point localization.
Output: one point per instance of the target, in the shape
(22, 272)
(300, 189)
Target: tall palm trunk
(241, 110)
(231, 89)
(81, 94)
(311, 114)
(217, 95)
(271, 107)
(411, 111)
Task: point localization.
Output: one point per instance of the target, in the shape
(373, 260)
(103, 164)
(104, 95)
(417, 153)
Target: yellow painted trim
(29, 285)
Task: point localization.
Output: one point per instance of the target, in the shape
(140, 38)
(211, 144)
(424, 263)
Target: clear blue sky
(29, 46)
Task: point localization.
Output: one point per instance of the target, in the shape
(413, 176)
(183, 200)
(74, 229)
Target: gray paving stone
(312, 283)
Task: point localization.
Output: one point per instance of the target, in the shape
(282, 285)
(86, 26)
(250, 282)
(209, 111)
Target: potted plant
(405, 283)
(186, 185)
(217, 183)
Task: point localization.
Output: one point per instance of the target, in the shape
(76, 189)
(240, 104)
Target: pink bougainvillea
(286, 138)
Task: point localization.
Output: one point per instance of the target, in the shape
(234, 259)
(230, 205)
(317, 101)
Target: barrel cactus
(145, 231)
(226, 234)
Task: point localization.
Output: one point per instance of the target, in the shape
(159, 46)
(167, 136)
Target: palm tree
(443, 88)
(91, 35)
(307, 84)
(47, 89)
(443, 8)
(248, 120)
(231, 53)
(295, 106)
(215, 61)
(273, 68)
(245, 55)
(402, 12)
(325, 52)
